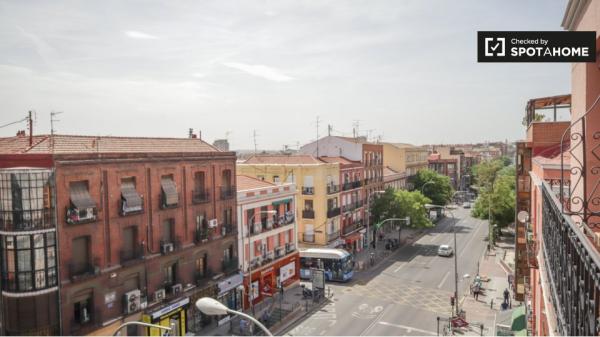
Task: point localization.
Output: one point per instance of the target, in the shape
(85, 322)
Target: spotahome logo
(536, 46)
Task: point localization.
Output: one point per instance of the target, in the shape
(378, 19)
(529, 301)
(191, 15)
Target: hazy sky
(406, 70)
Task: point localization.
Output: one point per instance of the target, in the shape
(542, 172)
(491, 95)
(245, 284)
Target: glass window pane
(38, 240)
(10, 260)
(23, 241)
(40, 279)
(51, 257)
(24, 260)
(10, 244)
(51, 277)
(50, 241)
(24, 280)
(40, 261)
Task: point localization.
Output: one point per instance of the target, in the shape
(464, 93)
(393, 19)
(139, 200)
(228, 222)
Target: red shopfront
(268, 279)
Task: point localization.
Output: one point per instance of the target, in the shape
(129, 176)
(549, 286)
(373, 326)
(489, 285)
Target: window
(199, 181)
(129, 247)
(226, 178)
(169, 196)
(82, 311)
(201, 264)
(171, 274)
(308, 205)
(83, 207)
(80, 255)
(168, 230)
(276, 179)
(131, 201)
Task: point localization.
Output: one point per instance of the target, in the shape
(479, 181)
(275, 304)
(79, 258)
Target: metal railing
(308, 214)
(227, 192)
(200, 196)
(333, 212)
(352, 227)
(75, 216)
(230, 265)
(308, 190)
(333, 188)
(201, 235)
(84, 270)
(27, 220)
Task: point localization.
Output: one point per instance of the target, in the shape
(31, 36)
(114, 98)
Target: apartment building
(445, 166)
(393, 179)
(98, 231)
(405, 158)
(352, 202)
(317, 196)
(267, 237)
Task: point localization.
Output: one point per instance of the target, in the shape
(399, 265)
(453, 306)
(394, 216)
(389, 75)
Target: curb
(289, 321)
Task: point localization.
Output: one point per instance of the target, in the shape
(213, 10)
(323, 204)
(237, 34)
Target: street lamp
(450, 208)
(210, 306)
(251, 223)
(407, 220)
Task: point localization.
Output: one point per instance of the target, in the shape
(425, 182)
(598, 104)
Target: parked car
(445, 250)
(467, 205)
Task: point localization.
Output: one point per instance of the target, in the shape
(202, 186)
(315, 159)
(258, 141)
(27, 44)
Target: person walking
(476, 292)
(506, 296)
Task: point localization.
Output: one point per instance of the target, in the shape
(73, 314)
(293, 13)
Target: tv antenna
(52, 131)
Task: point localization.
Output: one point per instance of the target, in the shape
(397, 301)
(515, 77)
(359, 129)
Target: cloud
(259, 70)
(134, 34)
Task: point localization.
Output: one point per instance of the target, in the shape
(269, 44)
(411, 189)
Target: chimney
(191, 133)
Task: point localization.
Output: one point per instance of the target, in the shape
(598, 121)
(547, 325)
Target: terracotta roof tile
(341, 160)
(68, 144)
(244, 182)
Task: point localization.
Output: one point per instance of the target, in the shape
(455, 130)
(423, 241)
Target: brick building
(445, 166)
(139, 228)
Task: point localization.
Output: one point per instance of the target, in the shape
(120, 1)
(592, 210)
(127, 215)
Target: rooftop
(341, 160)
(244, 182)
(72, 144)
(283, 159)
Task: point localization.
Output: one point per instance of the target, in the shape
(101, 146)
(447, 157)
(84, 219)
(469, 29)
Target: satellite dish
(523, 216)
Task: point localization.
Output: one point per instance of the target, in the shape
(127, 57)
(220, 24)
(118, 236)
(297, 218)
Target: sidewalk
(362, 258)
(487, 309)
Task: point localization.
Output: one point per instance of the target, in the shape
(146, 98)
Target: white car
(445, 250)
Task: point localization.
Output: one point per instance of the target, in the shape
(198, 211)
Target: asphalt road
(405, 293)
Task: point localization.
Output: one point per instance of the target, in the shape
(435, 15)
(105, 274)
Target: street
(405, 293)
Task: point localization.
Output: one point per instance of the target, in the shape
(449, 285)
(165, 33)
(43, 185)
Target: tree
(486, 171)
(536, 118)
(400, 204)
(439, 188)
(502, 198)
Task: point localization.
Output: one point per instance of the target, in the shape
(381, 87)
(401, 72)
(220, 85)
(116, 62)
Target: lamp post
(426, 183)
(251, 223)
(449, 208)
(210, 306)
(407, 220)
(118, 331)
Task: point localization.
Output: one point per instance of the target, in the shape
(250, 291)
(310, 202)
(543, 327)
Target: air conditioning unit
(213, 223)
(132, 301)
(176, 289)
(159, 295)
(166, 248)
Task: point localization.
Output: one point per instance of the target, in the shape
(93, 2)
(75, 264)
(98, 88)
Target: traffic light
(452, 300)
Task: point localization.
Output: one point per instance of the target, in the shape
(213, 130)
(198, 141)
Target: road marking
(444, 279)
(375, 321)
(469, 242)
(409, 328)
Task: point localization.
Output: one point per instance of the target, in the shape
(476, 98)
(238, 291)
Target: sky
(404, 71)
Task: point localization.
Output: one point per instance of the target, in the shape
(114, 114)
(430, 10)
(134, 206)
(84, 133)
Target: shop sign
(287, 271)
(170, 308)
(266, 271)
(230, 283)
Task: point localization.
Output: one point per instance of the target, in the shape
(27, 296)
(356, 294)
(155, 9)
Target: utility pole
(254, 137)
(318, 136)
(30, 124)
(329, 128)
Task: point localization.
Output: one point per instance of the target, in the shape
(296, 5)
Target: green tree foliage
(439, 190)
(536, 118)
(502, 198)
(400, 204)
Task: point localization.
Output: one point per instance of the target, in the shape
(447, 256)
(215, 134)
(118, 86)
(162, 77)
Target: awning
(80, 196)
(519, 322)
(131, 196)
(170, 191)
(279, 202)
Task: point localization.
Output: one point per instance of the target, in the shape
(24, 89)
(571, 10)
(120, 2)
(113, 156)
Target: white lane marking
(444, 279)
(469, 242)
(375, 321)
(409, 328)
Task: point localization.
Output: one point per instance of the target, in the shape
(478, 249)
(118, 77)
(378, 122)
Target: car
(467, 205)
(445, 250)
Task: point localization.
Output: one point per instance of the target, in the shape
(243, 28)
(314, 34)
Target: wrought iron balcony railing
(81, 271)
(201, 235)
(75, 216)
(352, 227)
(202, 277)
(27, 220)
(227, 192)
(308, 190)
(200, 196)
(333, 212)
(230, 265)
(333, 188)
(308, 214)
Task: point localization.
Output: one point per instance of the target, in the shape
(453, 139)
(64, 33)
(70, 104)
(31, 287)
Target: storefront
(172, 315)
(353, 242)
(196, 320)
(271, 278)
(230, 294)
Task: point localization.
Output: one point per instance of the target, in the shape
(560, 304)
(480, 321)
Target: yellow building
(404, 158)
(318, 204)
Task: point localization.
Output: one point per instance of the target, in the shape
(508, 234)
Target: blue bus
(337, 263)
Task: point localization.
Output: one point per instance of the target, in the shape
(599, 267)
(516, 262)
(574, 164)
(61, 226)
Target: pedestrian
(506, 296)
(476, 291)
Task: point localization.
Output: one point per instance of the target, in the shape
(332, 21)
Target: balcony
(333, 212)
(200, 196)
(308, 214)
(351, 185)
(333, 188)
(228, 229)
(125, 209)
(308, 237)
(167, 247)
(308, 190)
(202, 277)
(75, 216)
(201, 236)
(268, 258)
(129, 256)
(532, 252)
(352, 227)
(82, 271)
(230, 265)
(227, 192)
(26, 220)
(286, 219)
(333, 236)
(289, 247)
(279, 252)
